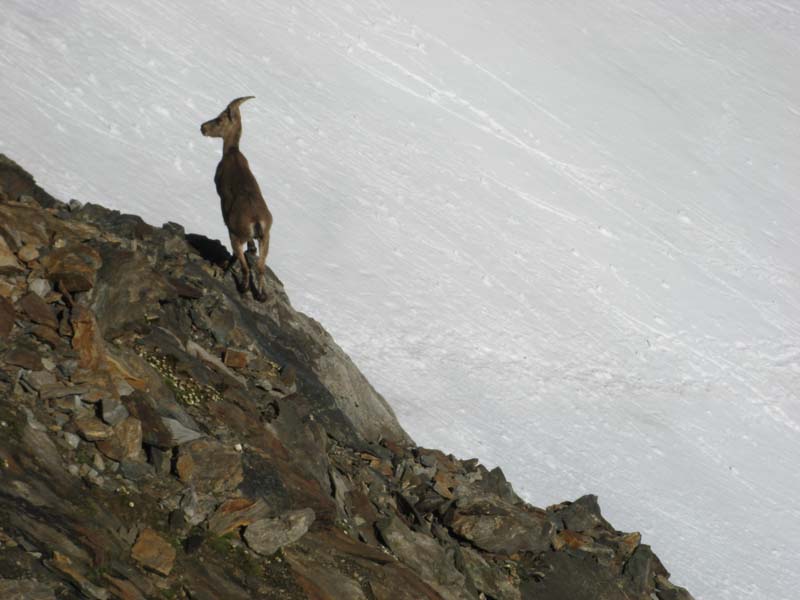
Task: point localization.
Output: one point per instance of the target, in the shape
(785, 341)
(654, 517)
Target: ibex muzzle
(243, 208)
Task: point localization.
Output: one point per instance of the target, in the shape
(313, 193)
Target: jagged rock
(209, 466)
(124, 442)
(153, 552)
(496, 526)
(642, 569)
(267, 536)
(38, 310)
(581, 515)
(74, 267)
(86, 339)
(25, 589)
(236, 513)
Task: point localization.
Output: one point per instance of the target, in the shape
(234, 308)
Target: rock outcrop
(162, 436)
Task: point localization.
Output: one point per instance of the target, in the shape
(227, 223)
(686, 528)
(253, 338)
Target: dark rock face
(163, 437)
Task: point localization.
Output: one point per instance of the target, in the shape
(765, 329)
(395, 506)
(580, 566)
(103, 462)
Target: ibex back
(243, 208)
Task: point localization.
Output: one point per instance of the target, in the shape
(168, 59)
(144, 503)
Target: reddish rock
(125, 441)
(87, 339)
(37, 310)
(236, 513)
(153, 552)
(74, 267)
(236, 359)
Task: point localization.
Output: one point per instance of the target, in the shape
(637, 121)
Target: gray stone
(180, 433)
(267, 536)
(425, 556)
(114, 412)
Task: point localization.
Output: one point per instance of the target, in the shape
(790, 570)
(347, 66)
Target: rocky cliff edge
(162, 436)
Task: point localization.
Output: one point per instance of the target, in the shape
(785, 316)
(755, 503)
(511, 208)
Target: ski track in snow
(561, 238)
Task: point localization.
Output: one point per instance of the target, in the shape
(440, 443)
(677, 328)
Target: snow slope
(559, 236)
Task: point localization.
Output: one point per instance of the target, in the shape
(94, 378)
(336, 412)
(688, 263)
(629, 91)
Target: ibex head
(228, 125)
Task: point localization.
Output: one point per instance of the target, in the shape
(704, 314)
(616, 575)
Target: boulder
(267, 536)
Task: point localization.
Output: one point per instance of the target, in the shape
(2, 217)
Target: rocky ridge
(162, 436)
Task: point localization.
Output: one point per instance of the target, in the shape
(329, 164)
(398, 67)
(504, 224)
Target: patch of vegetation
(186, 390)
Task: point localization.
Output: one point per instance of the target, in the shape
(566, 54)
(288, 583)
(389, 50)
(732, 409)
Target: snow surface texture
(559, 236)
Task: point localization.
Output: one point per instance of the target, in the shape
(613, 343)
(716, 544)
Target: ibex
(243, 208)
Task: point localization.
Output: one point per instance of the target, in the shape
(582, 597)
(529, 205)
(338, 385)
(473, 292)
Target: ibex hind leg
(260, 291)
(238, 256)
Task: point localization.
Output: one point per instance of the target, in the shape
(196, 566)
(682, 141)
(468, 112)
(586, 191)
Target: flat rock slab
(267, 536)
(209, 466)
(93, 429)
(153, 552)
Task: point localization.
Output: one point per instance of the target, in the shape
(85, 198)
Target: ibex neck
(231, 141)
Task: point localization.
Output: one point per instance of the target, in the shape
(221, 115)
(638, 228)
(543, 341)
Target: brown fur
(243, 208)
